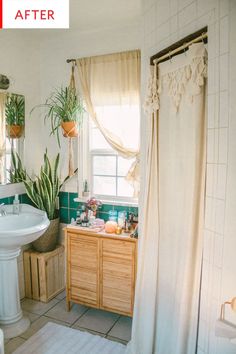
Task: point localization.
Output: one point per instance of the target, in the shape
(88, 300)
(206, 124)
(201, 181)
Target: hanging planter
(15, 116)
(70, 129)
(64, 110)
(14, 131)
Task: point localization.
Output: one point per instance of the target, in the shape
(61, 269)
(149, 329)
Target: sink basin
(19, 230)
(16, 231)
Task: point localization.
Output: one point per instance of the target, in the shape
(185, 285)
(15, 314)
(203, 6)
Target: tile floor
(102, 323)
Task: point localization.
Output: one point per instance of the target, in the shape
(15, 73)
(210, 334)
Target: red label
(1, 13)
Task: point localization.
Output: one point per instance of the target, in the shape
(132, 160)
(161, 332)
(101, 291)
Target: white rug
(57, 339)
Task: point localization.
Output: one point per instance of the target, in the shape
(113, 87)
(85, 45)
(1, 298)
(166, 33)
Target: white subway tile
(224, 109)
(223, 145)
(203, 332)
(163, 32)
(211, 180)
(219, 216)
(221, 181)
(218, 250)
(216, 284)
(224, 71)
(224, 35)
(204, 6)
(213, 40)
(188, 14)
(162, 11)
(210, 146)
(173, 7)
(224, 7)
(208, 248)
(209, 214)
(174, 24)
(211, 111)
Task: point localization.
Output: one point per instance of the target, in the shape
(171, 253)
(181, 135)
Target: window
(107, 169)
(10, 145)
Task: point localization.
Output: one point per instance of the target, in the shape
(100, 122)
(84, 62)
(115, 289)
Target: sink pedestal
(12, 321)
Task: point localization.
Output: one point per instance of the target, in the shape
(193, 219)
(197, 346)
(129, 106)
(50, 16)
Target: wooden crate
(44, 274)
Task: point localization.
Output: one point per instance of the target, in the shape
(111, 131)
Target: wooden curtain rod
(180, 46)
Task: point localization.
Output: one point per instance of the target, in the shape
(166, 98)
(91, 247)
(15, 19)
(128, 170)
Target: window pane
(104, 185)
(97, 141)
(124, 188)
(104, 165)
(124, 166)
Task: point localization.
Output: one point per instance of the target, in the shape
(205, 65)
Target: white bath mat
(57, 339)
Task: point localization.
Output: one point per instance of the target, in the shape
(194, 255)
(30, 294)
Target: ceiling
(98, 14)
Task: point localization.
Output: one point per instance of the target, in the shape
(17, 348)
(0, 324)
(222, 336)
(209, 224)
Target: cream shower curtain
(2, 137)
(170, 246)
(112, 79)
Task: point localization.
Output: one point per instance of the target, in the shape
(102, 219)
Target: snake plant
(44, 190)
(15, 110)
(17, 172)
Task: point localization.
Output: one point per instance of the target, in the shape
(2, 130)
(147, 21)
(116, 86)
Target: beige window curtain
(170, 246)
(2, 137)
(112, 79)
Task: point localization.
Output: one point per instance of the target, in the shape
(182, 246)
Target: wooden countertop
(91, 232)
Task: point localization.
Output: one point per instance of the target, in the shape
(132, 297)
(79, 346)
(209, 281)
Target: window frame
(104, 152)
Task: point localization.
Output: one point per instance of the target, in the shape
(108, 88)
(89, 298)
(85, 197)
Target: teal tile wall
(68, 208)
(23, 199)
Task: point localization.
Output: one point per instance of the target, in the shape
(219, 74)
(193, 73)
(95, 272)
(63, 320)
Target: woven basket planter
(48, 241)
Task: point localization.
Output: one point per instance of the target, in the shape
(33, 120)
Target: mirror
(12, 124)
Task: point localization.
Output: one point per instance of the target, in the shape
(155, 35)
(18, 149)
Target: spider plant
(44, 190)
(15, 110)
(17, 172)
(64, 105)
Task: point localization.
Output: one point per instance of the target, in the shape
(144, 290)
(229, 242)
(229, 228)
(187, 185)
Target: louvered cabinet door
(83, 269)
(117, 276)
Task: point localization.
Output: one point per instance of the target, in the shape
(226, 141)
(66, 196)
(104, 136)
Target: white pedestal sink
(16, 231)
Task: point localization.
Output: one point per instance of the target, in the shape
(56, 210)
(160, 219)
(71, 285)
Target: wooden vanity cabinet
(101, 270)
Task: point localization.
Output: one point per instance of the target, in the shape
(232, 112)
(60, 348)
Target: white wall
(165, 22)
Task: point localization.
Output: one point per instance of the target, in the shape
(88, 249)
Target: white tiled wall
(165, 22)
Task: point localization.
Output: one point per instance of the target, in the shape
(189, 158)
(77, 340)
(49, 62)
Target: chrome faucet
(2, 210)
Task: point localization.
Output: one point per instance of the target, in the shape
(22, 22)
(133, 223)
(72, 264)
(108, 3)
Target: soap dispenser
(16, 205)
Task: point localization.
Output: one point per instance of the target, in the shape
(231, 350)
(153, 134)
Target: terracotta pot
(15, 131)
(48, 241)
(69, 129)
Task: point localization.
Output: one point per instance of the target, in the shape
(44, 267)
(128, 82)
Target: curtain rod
(179, 46)
(71, 60)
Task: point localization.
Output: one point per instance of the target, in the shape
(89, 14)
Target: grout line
(79, 317)
(113, 325)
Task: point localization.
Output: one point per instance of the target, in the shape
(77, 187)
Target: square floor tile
(60, 313)
(117, 340)
(13, 344)
(32, 316)
(39, 308)
(61, 295)
(122, 328)
(38, 324)
(97, 320)
(89, 331)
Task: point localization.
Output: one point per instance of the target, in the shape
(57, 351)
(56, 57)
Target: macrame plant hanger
(71, 151)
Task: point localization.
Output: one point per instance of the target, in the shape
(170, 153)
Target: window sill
(110, 202)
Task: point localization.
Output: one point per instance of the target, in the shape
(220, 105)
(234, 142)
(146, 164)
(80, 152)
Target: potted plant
(17, 172)
(43, 192)
(64, 108)
(15, 116)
